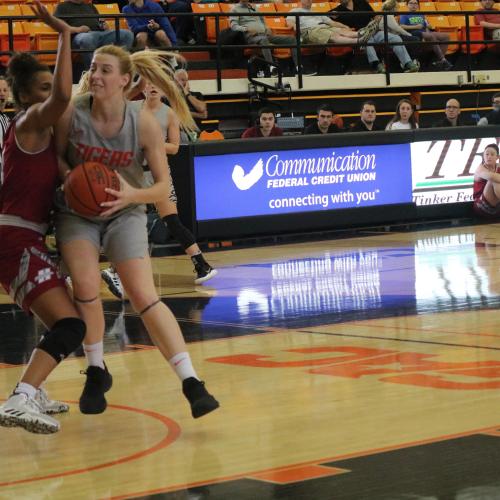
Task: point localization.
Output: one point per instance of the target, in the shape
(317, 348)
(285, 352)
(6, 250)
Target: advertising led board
(443, 170)
(305, 180)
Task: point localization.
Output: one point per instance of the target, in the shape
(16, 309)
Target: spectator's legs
(162, 39)
(284, 40)
(261, 40)
(86, 41)
(141, 40)
(183, 24)
(435, 36)
(399, 50)
(109, 37)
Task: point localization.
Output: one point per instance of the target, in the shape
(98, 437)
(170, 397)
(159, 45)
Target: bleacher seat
(205, 9)
(43, 37)
(21, 40)
(111, 8)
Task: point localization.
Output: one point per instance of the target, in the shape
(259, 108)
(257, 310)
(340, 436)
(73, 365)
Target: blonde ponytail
(152, 66)
(83, 85)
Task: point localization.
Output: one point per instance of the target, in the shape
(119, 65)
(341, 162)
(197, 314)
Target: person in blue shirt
(417, 25)
(155, 29)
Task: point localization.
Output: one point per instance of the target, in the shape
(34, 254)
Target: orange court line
(173, 432)
(296, 474)
(314, 462)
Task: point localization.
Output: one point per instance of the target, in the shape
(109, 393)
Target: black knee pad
(181, 233)
(63, 338)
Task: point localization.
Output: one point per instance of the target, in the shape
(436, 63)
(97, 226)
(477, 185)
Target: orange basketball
(84, 187)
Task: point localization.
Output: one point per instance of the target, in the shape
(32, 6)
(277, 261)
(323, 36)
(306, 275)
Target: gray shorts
(122, 238)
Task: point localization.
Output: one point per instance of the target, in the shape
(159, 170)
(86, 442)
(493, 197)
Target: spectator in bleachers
(359, 21)
(184, 25)
(265, 126)
(418, 26)
(154, 29)
(256, 32)
(89, 33)
(321, 29)
(405, 118)
(452, 115)
(367, 117)
(490, 22)
(194, 100)
(493, 117)
(324, 124)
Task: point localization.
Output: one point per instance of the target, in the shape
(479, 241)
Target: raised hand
(40, 11)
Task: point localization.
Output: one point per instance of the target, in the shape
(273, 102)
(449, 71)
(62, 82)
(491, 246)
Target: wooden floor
(360, 368)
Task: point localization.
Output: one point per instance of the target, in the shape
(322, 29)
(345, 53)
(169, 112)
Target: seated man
(89, 33)
(490, 22)
(321, 29)
(256, 32)
(452, 115)
(324, 123)
(375, 34)
(367, 117)
(194, 100)
(265, 126)
(153, 29)
(493, 117)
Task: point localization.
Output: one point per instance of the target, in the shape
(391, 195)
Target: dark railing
(386, 45)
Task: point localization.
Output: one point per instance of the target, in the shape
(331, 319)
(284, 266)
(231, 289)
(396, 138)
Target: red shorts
(483, 208)
(26, 268)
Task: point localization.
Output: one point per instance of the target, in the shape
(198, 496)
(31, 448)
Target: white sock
(95, 354)
(181, 364)
(24, 388)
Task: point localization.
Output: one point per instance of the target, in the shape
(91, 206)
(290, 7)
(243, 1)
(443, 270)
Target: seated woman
(418, 25)
(405, 118)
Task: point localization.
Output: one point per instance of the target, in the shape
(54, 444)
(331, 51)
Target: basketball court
(361, 367)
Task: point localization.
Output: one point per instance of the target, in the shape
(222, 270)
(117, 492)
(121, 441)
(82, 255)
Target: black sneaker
(201, 401)
(204, 272)
(99, 381)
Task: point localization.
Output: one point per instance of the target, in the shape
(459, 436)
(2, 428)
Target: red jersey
(256, 132)
(29, 179)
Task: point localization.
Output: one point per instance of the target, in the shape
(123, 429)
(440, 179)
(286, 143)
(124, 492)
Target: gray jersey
(161, 115)
(121, 152)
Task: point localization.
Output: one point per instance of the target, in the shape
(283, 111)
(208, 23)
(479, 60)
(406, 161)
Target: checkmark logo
(246, 181)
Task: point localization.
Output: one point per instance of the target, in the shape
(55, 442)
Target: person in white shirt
(405, 118)
(321, 29)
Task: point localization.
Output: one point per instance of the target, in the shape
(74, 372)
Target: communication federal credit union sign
(305, 180)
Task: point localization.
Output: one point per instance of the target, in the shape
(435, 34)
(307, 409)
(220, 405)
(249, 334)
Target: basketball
(84, 187)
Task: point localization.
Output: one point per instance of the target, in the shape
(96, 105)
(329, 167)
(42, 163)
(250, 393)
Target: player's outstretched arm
(47, 113)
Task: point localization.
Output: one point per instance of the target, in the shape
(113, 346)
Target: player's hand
(123, 198)
(40, 11)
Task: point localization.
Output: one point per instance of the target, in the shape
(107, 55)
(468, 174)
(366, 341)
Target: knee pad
(181, 233)
(63, 338)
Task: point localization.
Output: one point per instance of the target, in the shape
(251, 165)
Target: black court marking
(464, 468)
(394, 339)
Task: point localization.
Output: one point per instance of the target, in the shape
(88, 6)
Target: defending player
(30, 177)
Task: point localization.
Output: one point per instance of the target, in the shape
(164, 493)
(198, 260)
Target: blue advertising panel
(305, 180)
